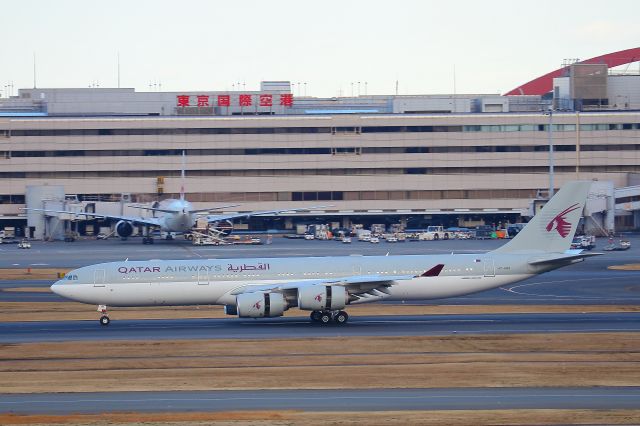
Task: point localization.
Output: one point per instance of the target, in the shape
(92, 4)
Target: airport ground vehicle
(364, 235)
(24, 244)
(514, 228)
(621, 245)
(435, 233)
(484, 232)
(583, 242)
(203, 241)
(267, 287)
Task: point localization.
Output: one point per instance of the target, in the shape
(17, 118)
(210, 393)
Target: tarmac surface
(89, 251)
(599, 398)
(278, 328)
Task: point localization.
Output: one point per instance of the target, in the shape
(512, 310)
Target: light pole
(550, 136)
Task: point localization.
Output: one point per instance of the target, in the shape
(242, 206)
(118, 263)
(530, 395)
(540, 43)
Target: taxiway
(277, 328)
(600, 398)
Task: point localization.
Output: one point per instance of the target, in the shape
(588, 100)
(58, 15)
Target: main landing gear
(325, 317)
(104, 319)
(147, 240)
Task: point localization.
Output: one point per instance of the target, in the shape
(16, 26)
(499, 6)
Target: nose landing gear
(104, 319)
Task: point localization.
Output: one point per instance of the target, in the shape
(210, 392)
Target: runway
(599, 398)
(278, 328)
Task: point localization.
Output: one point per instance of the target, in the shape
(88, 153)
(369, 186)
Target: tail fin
(184, 162)
(552, 229)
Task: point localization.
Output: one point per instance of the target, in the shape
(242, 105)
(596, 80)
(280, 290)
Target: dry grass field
(603, 359)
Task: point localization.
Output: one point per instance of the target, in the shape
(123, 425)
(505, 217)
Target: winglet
(433, 272)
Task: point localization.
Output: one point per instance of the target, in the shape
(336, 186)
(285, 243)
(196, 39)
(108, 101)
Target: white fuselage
(180, 219)
(217, 281)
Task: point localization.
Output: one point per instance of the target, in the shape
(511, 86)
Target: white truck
(364, 235)
(435, 233)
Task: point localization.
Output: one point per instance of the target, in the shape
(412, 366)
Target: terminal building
(452, 160)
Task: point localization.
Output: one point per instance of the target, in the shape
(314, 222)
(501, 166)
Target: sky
(428, 47)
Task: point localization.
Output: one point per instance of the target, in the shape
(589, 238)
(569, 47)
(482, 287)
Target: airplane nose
(56, 288)
(63, 290)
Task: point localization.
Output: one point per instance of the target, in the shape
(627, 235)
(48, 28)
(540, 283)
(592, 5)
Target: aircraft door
(203, 277)
(489, 268)
(98, 278)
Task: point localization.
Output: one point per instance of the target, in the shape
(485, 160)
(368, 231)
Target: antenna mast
(184, 161)
(34, 70)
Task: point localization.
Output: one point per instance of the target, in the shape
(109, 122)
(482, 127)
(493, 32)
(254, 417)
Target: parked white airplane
(267, 287)
(176, 216)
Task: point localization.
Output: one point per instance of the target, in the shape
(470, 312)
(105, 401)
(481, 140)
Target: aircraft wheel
(104, 320)
(325, 318)
(341, 317)
(315, 316)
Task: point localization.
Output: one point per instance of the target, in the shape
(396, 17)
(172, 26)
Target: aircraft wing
(213, 208)
(371, 287)
(365, 287)
(217, 217)
(568, 256)
(152, 221)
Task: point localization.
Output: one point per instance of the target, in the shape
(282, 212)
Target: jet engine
(259, 305)
(320, 298)
(124, 229)
(223, 227)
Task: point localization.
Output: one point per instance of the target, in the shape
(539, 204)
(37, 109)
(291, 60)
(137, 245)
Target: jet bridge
(628, 203)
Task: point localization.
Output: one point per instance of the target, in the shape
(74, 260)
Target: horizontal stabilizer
(154, 209)
(550, 259)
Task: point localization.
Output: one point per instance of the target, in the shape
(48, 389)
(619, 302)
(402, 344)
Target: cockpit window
(71, 277)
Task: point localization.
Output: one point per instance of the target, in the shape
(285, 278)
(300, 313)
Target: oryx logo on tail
(560, 224)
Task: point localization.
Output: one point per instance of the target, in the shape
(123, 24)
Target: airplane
(178, 216)
(267, 287)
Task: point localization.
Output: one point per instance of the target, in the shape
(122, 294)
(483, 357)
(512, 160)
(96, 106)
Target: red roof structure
(544, 84)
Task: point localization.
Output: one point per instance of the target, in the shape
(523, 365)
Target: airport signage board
(241, 100)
